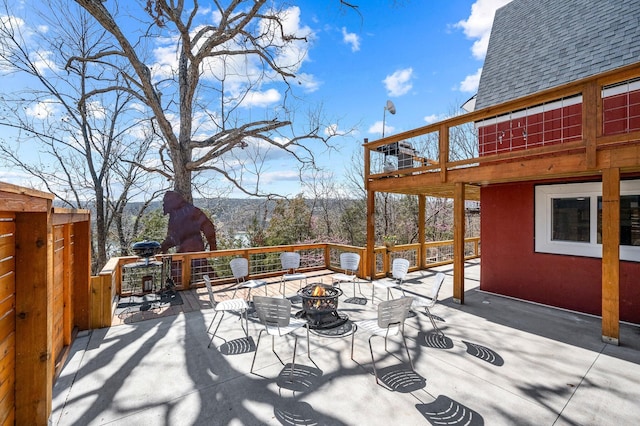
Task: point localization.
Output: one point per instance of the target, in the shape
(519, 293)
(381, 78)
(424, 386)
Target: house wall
(512, 268)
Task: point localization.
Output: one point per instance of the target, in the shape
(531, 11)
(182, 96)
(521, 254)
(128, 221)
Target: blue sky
(424, 56)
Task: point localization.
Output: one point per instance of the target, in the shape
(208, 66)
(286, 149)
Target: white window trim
(544, 194)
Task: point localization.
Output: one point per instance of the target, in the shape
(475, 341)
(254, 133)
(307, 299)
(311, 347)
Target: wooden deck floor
(197, 299)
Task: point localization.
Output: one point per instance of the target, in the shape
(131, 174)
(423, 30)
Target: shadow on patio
(501, 362)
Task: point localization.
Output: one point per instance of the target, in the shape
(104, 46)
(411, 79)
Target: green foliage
(353, 223)
(290, 222)
(154, 226)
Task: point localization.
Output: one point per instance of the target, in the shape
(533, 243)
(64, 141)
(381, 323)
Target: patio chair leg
(293, 362)
(433, 322)
(373, 361)
(245, 328)
(256, 352)
(273, 349)
(216, 330)
(406, 348)
(212, 320)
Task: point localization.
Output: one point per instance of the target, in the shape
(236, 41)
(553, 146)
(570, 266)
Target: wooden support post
(611, 256)
(68, 320)
(422, 218)
(458, 243)
(590, 122)
(443, 148)
(82, 274)
(371, 233)
(34, 324)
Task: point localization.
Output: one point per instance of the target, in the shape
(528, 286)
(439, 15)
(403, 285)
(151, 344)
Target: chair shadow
(239, 346)
(303, 378)
(400, 378)
(356, 300)
(301, 413)
(434, 340)
(435, 317)
(484, 353)
(446, 411)
(295, 299)
(342, 330)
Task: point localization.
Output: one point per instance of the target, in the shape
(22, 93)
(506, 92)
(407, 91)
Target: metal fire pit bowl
(320, 311)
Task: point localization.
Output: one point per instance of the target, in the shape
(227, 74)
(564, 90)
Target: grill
(320, 306)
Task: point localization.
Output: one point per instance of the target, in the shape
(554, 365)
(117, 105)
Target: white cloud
(434, 117)
(376, 128)
(42, 109)
(351, 39)
(280, 175)
(261, 99)
(334, 130)
(308, 82)
(478, 25)
(240, 72)
(399, 83)
(470, 83)
(96, 110)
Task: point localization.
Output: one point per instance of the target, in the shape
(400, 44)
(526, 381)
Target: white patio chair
(274, 314)
(290, 263)
(428, 302)
(349, 263)
(390, 322)
(399, 269)
(234, 305)
(240, 270)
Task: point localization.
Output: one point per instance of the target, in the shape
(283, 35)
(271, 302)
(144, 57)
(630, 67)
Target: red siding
(511, 267)
(534, 127)
(621, 113)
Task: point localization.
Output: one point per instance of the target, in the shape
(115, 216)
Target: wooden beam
(371, 232)
(82, 274)
(611, 255)
(590, 99)
(67, 284)
(422, 219)
(34, 324)
(568, 164)
(367, 164)
(458, 243)
(443, 145)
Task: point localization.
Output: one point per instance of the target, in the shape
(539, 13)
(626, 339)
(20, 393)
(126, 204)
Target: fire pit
(319, 306)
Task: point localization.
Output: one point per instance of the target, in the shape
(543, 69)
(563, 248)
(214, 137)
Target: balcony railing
(123, 276)
(590, 135)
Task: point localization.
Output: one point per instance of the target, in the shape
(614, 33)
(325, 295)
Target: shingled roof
(540, 44)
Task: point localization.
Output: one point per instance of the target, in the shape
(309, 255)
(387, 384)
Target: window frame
(543, 205)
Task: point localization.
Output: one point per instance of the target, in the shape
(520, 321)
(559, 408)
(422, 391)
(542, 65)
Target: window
(568, 219)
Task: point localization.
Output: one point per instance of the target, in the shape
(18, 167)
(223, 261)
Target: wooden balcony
(437, 177)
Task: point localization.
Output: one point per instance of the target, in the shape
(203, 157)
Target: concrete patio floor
(503, 362)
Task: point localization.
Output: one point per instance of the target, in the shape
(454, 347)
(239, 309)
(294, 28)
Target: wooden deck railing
(435, 176)
(123, 276)
(423, 256)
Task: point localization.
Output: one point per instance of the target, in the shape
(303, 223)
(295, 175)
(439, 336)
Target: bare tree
(199, 95)
(82, 141)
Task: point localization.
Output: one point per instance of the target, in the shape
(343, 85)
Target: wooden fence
(44, 298)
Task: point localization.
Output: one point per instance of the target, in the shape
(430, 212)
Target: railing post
(458, 243)
(422, 218)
